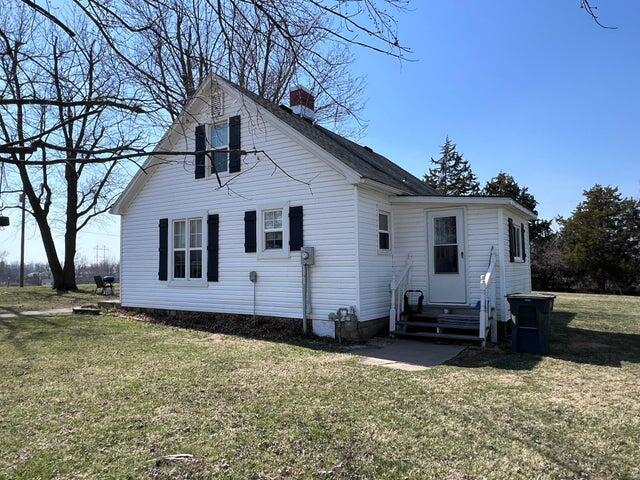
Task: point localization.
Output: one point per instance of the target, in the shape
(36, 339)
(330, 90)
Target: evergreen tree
(451, 173)
(601, 239)
(504, 185)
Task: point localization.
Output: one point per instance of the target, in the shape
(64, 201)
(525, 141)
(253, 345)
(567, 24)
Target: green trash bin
(530, 322)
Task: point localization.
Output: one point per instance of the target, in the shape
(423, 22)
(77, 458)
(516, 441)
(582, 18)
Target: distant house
(376, 230)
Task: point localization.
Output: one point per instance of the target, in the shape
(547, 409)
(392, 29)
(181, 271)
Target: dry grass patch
(109, 397)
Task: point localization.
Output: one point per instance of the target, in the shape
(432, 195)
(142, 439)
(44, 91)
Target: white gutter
(462, 200)
(381, 186)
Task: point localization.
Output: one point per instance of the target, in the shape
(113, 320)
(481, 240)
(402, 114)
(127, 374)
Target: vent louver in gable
(216, 101)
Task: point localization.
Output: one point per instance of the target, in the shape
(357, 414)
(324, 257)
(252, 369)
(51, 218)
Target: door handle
(462, 254)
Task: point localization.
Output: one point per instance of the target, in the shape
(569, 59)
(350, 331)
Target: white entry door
(447, 279)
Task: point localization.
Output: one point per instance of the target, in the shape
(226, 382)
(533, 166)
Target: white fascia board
(378, 186)
(443, 199)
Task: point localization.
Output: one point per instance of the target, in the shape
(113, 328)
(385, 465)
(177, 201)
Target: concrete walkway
(36, 313)
(408, 355)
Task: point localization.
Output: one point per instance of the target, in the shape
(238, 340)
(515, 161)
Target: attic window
(220, 140)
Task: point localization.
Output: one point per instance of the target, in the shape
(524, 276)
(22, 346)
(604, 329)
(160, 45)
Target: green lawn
(31, 297)
(104, 397)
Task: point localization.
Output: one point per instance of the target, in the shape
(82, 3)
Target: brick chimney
(302, 103)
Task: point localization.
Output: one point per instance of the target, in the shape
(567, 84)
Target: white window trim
(383, 251)
(209, 158)
(267, 254)
(188, 282)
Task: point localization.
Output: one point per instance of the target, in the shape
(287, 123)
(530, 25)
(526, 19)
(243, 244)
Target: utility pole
(22, 242)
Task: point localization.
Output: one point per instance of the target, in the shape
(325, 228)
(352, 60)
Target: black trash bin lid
(532, 296)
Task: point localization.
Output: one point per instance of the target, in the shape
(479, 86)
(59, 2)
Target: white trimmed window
(187, 249)
(272, 229)
(220, 141)
(384, 231)
(517, 242)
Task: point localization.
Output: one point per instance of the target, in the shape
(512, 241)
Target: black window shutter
(250, 231)
(295, 228)
(234, 144)
(524, 249)
(511, 241)
(163, 232)
(201, 145)
(212, 247)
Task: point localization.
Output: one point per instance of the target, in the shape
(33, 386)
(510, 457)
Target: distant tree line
(595, 249)
(39, 273)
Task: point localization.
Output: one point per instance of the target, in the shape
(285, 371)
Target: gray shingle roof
(369, 164)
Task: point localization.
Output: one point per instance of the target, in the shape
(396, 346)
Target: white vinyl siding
(172, 192)
(517, 273)
(481, 232)
(374, 268)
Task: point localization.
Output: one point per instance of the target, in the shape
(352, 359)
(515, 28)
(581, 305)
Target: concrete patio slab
(409, 355)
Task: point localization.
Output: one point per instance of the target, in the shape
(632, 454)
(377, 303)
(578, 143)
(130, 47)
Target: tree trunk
(69, 260)
(71, 227)
(50, 250)
(40, 215)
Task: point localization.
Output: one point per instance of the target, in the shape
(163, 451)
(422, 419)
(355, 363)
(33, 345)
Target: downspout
(305, 314)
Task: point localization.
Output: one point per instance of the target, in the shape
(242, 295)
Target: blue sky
(532, 88)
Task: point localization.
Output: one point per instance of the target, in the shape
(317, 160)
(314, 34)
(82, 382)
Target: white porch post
(392, 313)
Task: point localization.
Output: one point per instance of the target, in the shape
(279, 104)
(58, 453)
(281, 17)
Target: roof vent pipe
(302, 102)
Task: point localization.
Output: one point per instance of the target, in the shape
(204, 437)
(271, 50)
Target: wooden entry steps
(444, 322)
(449, 336)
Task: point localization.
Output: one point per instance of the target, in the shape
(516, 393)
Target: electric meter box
(307, 255)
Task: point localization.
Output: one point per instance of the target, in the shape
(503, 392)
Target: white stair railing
(488, 300)
(399, 285)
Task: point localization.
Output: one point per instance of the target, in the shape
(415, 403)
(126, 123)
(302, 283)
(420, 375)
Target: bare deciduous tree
(172, 45)
(69, 75)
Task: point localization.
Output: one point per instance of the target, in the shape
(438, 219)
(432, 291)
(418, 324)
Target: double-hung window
(272, 229)
(384, 237)
(220, 141)
(187, 249)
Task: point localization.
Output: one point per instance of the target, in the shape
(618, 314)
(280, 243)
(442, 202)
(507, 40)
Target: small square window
(273, 231)
(272, 240)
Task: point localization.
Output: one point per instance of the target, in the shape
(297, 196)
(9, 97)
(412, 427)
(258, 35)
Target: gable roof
(363, 161)
(367, 163)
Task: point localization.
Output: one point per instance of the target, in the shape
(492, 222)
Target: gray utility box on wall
(307, 255)
(531, 322)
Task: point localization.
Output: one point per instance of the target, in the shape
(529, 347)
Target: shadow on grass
(272, 329)
(572, 344)
(20, 329)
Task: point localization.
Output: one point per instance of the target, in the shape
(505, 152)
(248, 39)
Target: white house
(188, 244)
